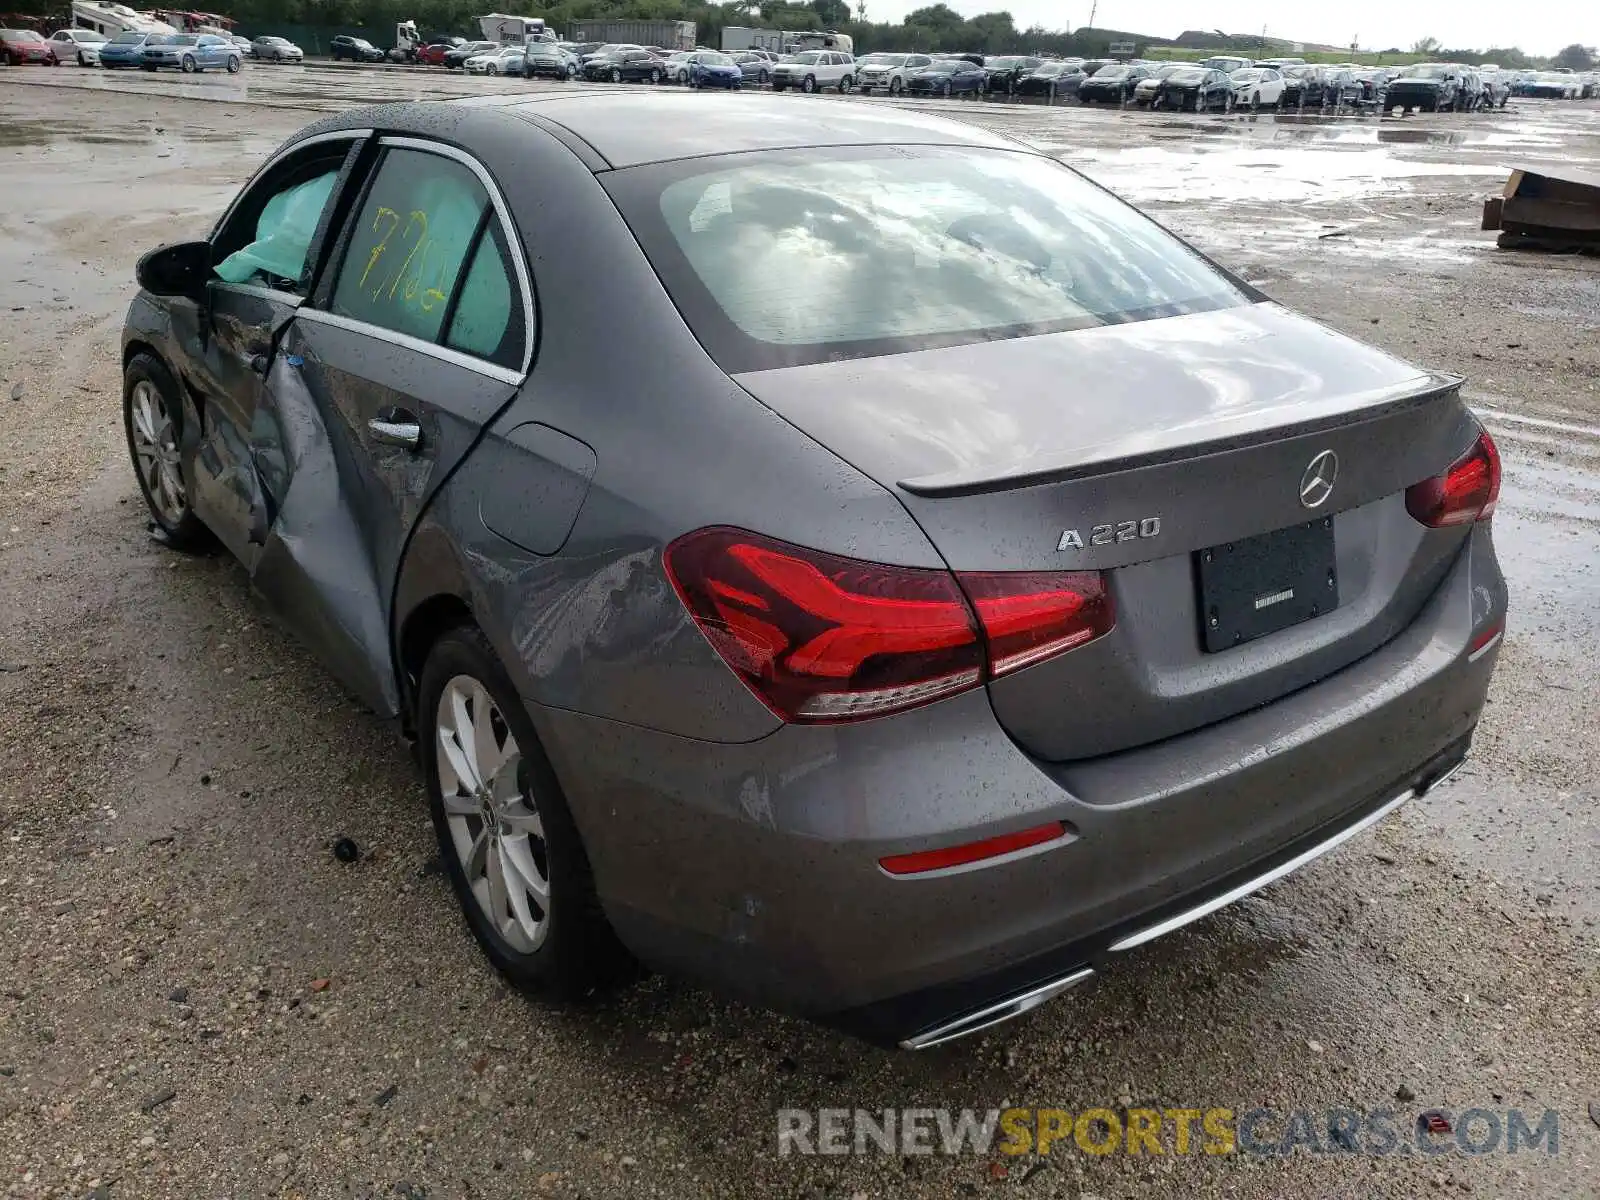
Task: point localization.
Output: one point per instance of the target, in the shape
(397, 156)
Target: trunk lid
(1151, 442)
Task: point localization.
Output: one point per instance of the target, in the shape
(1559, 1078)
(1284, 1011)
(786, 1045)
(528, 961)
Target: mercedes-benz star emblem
(1316, 485)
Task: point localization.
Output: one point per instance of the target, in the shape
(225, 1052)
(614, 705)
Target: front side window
(266, 238)
(786, 258)
(410, 243)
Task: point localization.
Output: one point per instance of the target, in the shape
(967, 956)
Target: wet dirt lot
(202, 1001)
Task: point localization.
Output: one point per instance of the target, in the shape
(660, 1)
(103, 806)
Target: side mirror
(177, 270)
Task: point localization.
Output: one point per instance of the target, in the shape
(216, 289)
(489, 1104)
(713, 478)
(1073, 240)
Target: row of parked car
(1225, 82)
(186, 52)
(1220, 83)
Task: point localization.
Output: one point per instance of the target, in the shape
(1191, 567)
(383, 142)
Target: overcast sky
(1539, 27)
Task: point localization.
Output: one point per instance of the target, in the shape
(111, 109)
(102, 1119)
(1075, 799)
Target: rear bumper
(754, 866)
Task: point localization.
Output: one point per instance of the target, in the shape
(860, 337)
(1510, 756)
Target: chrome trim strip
(1486, 647)
(1260, 881)
(1433, 783)
(507, 227)
(407, 342)
(1004, 1010)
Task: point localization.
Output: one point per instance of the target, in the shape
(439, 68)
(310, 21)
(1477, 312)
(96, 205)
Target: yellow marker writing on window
(419, 219)
(377, 250)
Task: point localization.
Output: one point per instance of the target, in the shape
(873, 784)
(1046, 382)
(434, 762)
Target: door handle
(396, 427)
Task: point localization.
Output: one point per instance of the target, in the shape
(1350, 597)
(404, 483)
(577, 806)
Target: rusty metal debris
(1547, 208)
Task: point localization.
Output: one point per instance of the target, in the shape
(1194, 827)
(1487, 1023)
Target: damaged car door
(263, 255)
(418, 334)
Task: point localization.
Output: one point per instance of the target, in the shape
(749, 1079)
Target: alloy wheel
(494, 822)
(155, 448)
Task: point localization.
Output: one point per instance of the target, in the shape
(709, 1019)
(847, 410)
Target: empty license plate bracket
(1262, 584)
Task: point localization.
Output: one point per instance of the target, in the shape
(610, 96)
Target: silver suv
(811, 70)
(887, 71)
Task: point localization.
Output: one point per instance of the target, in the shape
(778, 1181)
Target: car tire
(763, 78)
(1255, 102)
(809, 84)
(944, 89)
(146, 67)
(845, 84)
(188, 65)
(655, 75)
(8, 59)
(616, 75)
(565, 950)
(152, 424)
(896, 86)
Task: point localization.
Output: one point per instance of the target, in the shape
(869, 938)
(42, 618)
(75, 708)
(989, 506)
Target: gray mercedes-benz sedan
(841, 555)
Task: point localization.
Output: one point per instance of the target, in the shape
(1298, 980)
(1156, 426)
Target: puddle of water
(1261, 174)
(1424, 137)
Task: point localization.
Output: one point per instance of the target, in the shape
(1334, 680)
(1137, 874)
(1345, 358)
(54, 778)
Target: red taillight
(820, 637)
(960, 856)
(1027, 617)
(1465, 493)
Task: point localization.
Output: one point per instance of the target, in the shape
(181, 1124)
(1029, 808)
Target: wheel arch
(188, 403)
(432, 597)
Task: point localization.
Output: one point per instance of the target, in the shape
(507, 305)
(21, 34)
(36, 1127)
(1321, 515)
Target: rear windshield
(786, 258)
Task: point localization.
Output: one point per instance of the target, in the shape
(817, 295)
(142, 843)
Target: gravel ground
(204, 1002)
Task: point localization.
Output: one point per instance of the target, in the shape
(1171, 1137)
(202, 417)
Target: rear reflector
(959, 856)
(822, 638)
(1467, 492)
(1485, 641)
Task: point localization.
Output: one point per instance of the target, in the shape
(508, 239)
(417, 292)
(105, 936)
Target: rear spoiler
(1147, 447)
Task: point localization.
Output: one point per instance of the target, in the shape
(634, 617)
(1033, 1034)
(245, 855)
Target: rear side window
(410, 243)
(790, 257)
